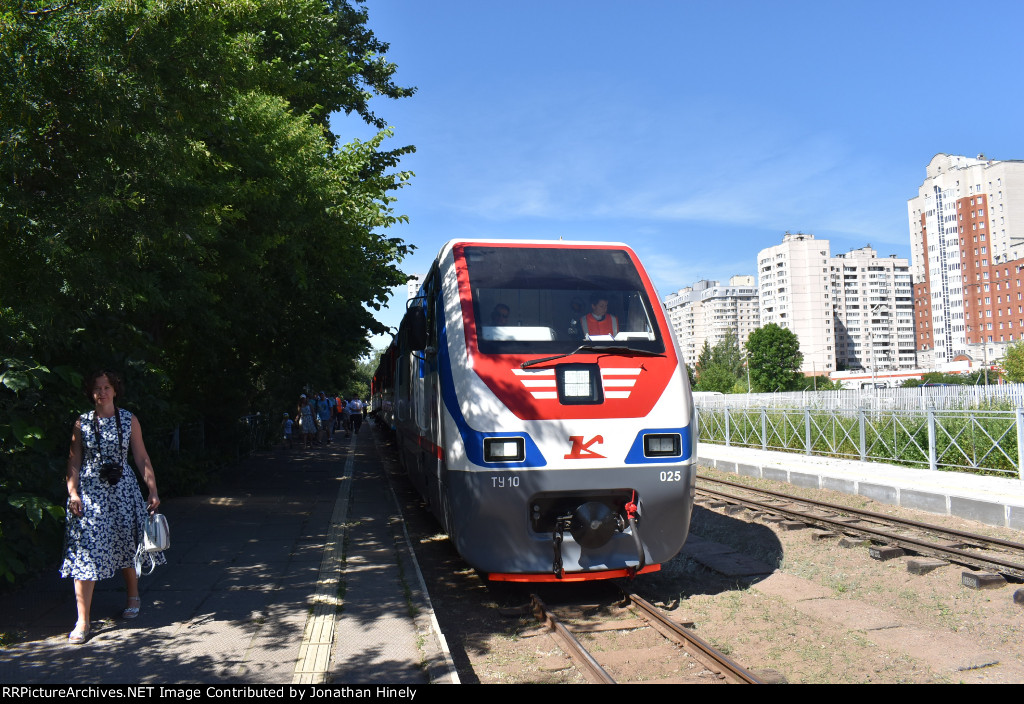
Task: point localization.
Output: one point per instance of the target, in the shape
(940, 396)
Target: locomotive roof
(560, 243)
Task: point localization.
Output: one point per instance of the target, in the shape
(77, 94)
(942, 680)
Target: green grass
(968, 440)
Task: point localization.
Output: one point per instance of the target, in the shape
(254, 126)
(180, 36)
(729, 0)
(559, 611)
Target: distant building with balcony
(795, 292)
(967, 252)
(708, 311)
(849, 311)
(873, 311)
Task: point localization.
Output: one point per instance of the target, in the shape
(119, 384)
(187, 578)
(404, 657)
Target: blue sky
(697, 133)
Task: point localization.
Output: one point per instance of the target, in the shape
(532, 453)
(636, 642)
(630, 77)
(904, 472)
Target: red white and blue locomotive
(542, 409)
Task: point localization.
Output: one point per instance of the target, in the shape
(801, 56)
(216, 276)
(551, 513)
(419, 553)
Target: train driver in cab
(499, 316)
(599, 323)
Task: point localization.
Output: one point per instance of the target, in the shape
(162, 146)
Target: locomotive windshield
(550, 300)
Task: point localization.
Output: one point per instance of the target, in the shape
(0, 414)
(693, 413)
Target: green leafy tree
(359, 382)
(818, 383)
(827, 384)
(727, 353)
(703, 359)
(774, 356)
(1013, 362)
(945, 378)
(721, 366)
(716, 377)
(175, 206)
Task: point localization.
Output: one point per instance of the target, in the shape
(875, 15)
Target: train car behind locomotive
(542, 410)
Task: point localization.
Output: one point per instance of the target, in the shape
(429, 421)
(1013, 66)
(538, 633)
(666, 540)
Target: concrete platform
(995, 501)
(296, 570)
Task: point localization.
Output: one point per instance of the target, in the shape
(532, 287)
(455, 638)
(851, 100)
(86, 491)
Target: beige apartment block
(967, 255)
(873, 310)
(795, 290)
(708, 311)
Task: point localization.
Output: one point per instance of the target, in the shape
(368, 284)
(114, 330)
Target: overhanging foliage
(174, 206)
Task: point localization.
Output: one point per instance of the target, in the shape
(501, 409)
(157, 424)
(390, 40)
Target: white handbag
(156, 537)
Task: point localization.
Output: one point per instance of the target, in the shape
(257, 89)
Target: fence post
(764, 428)
(728, 438)
(933, 463)
(1020, 442)
(862, 426)
(807, 430)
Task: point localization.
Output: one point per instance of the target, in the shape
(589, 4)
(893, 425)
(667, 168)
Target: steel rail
(949, 532)
(572, 647)
(921, 546)
(712, 658)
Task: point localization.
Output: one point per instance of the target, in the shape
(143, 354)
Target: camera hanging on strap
(110, 471)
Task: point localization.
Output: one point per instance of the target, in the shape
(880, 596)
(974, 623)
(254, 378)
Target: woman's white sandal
(79, 635)
(132, 611)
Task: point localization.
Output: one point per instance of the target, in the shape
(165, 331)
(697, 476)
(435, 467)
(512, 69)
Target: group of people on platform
(318, 417)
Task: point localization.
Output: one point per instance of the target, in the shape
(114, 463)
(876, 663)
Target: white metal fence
(1004, 396)
(977, 441)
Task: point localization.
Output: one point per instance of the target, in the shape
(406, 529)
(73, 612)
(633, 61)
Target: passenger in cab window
(499, 316)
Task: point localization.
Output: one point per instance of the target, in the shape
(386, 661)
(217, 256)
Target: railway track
(960, 547)
(682, 656)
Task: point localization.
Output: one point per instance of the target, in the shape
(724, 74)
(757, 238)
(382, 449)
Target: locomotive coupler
(562, 524)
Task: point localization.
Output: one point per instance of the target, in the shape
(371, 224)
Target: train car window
(532, 300)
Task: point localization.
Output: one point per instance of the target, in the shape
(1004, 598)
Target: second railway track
(976, 551)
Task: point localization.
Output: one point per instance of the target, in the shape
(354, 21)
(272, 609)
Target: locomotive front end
(565, 445)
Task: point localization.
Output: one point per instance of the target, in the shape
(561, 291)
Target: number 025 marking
(672, 476)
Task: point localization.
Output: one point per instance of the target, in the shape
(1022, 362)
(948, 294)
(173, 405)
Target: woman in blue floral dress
(106, 512)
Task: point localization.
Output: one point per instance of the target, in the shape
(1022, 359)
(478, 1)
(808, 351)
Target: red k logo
(581, 450)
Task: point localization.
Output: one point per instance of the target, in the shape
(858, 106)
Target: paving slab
(244, 580)
(939, 653)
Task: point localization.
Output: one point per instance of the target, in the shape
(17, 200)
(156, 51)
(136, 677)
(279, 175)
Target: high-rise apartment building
(967, 250)
(849, 311)
(795, 290)
(873, 310)
(708, 311)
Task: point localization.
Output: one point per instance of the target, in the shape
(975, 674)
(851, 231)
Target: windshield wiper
(624, 350)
